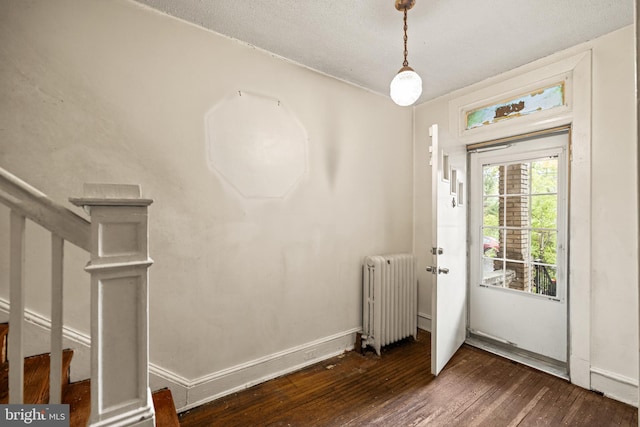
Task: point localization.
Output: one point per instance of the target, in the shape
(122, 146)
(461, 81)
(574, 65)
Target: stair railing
(117, 241)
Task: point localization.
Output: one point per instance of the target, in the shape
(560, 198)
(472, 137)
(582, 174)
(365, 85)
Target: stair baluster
(16, 315)
(57, 308)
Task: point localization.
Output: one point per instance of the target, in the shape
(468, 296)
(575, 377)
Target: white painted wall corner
(424, 321)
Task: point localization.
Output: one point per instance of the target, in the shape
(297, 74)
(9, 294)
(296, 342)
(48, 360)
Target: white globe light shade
(406, 87)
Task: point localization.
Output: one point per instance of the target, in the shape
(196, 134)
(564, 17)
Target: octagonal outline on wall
(256, 144)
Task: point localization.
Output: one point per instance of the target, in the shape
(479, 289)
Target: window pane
(491, 211)
(544, 280)
(544, 246)
(519, 273)
(491, 243)
(544, 211)
(492, 264)
(517, 211)
(491, 177)
(544, 176)
(533, 102)
(516, 247)
(495, 275)
(517, 178)
(493, 271)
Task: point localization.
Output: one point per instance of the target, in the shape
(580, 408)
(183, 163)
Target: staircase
(116, 240)
(77, 395)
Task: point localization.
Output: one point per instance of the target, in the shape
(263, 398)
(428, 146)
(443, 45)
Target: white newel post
(120, 394)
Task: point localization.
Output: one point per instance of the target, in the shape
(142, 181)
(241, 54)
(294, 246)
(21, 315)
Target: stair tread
(36, 377)
(36, 380)
(166, 415)
(78, 396)
(4, 331)
(4, 383)
(67, 355)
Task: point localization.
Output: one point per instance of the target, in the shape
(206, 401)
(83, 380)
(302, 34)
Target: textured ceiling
(452, 43)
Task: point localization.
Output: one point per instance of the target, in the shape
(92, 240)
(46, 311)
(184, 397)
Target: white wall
(241, 289)
(614, 267)
(613, 270)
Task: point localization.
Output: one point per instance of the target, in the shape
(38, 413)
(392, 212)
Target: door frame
(576, 72)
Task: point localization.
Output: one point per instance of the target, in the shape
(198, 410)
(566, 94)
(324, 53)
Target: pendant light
(406, 86)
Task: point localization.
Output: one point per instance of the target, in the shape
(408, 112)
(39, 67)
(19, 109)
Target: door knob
(439, 270)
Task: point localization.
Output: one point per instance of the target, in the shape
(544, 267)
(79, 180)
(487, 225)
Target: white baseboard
(188, 393)
(424, 321)
(615, 386)
(245, 375)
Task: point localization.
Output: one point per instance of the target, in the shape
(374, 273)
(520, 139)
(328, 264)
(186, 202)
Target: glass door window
(520, 226)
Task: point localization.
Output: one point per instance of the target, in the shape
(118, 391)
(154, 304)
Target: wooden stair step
(4, 331)
(78, 396)
(166, 415)
(36, 378)
(67, 355)
(4, 383)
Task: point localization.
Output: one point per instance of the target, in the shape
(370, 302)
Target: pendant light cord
(405, 63)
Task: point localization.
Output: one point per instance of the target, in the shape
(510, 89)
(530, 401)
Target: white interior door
(449, 248)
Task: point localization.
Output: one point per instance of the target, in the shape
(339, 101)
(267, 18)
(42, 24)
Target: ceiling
(452, 43)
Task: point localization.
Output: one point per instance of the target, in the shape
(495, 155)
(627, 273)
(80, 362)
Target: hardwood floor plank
(528, 407)
(472, 392)
(475, 388)
(553, 406)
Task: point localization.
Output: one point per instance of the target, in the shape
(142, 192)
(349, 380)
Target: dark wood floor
(475, 389)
